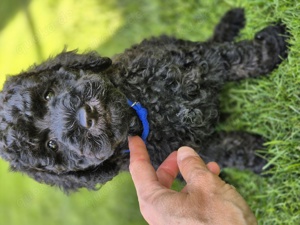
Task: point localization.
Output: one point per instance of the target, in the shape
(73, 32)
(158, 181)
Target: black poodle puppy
(66, 122)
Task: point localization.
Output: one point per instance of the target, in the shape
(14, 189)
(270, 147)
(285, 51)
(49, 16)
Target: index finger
(142, 172)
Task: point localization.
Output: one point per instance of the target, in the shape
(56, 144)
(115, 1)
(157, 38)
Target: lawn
(31, 31)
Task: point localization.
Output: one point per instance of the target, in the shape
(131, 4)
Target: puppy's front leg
(257, 57)
(229, 26)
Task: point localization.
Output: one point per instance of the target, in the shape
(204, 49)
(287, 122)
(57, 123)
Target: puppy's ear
(71, 60)
(74, 180)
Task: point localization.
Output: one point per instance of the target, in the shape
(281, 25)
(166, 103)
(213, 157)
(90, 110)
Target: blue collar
(142, 114)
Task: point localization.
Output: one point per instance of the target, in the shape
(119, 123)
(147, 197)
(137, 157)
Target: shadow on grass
(8, 8)
(144, 19)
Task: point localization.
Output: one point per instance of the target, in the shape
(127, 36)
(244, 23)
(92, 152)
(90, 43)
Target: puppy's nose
(87, 116)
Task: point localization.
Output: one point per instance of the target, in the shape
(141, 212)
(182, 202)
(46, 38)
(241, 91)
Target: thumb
(190, 164)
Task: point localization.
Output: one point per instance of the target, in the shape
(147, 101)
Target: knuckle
(200, 176)
(190, 161)
(137, 164)
(166, 171)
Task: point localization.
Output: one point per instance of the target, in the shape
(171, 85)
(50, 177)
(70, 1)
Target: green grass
(31, 31)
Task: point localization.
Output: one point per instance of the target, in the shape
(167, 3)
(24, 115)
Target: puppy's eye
(88, 108)
(48, 95)
(52, 145)
(90, 123)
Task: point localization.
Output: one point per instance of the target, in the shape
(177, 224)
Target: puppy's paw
(273, 39)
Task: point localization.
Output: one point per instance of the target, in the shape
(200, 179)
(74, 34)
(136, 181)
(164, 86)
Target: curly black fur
(66, 122)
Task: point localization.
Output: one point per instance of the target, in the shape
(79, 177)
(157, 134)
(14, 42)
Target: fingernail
(184, 152)
(129, 138)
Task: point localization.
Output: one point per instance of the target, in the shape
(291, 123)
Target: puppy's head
(62, 121)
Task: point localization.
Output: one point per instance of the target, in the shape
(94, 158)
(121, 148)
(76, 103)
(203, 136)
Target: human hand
(206, 199)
